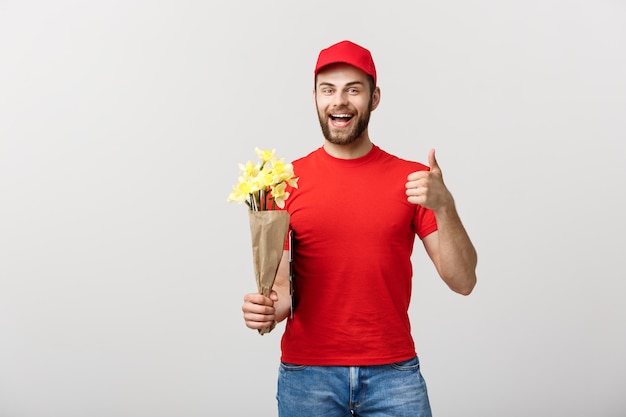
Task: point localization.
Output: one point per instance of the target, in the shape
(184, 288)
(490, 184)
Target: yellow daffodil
(240, 192)
(279, 194)
(265, 155)
(262, 186)
(249, 169)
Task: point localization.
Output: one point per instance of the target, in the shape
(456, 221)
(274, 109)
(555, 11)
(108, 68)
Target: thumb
(432, 161)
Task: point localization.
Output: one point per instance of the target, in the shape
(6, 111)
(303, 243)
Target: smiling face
(344, 102)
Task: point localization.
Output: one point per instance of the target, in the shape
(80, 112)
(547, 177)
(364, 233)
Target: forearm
(282, 286)
(457, 256)
(282, 307)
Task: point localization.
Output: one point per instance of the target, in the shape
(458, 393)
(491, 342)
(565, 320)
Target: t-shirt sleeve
(425, 222)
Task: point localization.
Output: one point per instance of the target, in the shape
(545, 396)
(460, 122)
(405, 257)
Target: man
(347, 348)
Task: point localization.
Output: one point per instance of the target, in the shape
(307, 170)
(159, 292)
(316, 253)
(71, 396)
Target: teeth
(341, 115)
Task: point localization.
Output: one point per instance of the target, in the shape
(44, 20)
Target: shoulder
(400, 163)
(307, 158)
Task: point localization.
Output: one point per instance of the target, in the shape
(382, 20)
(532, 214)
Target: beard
(345, 136)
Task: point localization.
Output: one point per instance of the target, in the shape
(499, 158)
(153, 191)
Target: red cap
(350, 53)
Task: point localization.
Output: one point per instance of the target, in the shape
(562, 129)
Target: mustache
(340, 110)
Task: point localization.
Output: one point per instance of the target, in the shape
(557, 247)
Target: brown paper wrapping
(268, 229)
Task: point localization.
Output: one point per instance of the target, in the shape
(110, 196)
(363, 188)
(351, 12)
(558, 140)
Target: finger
(257, 321)
(256, 325)
(416, 199)
(417, 175)
(414, 187)
(258, 318)
(255, 298)
(432, 161)
(256, 309)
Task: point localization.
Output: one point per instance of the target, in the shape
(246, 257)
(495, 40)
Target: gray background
(122, 266)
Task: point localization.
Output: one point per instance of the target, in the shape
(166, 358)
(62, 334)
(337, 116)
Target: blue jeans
(396, 390)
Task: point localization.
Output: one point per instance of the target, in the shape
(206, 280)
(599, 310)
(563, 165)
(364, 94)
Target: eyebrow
(351, 83)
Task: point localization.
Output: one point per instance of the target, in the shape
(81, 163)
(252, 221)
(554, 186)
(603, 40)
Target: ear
(375, 99)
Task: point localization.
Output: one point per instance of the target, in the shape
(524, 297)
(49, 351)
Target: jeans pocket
(412, 364)
(292, 367)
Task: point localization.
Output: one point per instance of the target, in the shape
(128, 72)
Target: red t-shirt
(353, 232)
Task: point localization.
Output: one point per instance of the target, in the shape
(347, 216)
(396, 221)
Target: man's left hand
(427, 189)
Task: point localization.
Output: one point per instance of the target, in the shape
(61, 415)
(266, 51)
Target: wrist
(447, 209)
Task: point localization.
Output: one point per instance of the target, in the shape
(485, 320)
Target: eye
(327, 91)
(353, 91)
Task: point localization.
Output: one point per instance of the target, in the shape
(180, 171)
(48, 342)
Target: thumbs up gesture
(427, 189)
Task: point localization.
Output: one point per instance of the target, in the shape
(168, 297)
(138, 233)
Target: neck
(356, 149)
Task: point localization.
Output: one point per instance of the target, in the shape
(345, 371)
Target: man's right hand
(258, 310)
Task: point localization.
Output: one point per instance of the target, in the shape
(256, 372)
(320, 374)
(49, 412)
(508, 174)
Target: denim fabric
(396, 390)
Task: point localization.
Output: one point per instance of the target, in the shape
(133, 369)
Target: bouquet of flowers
(262, 187)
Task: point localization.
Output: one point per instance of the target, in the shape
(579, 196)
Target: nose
(340, 99)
